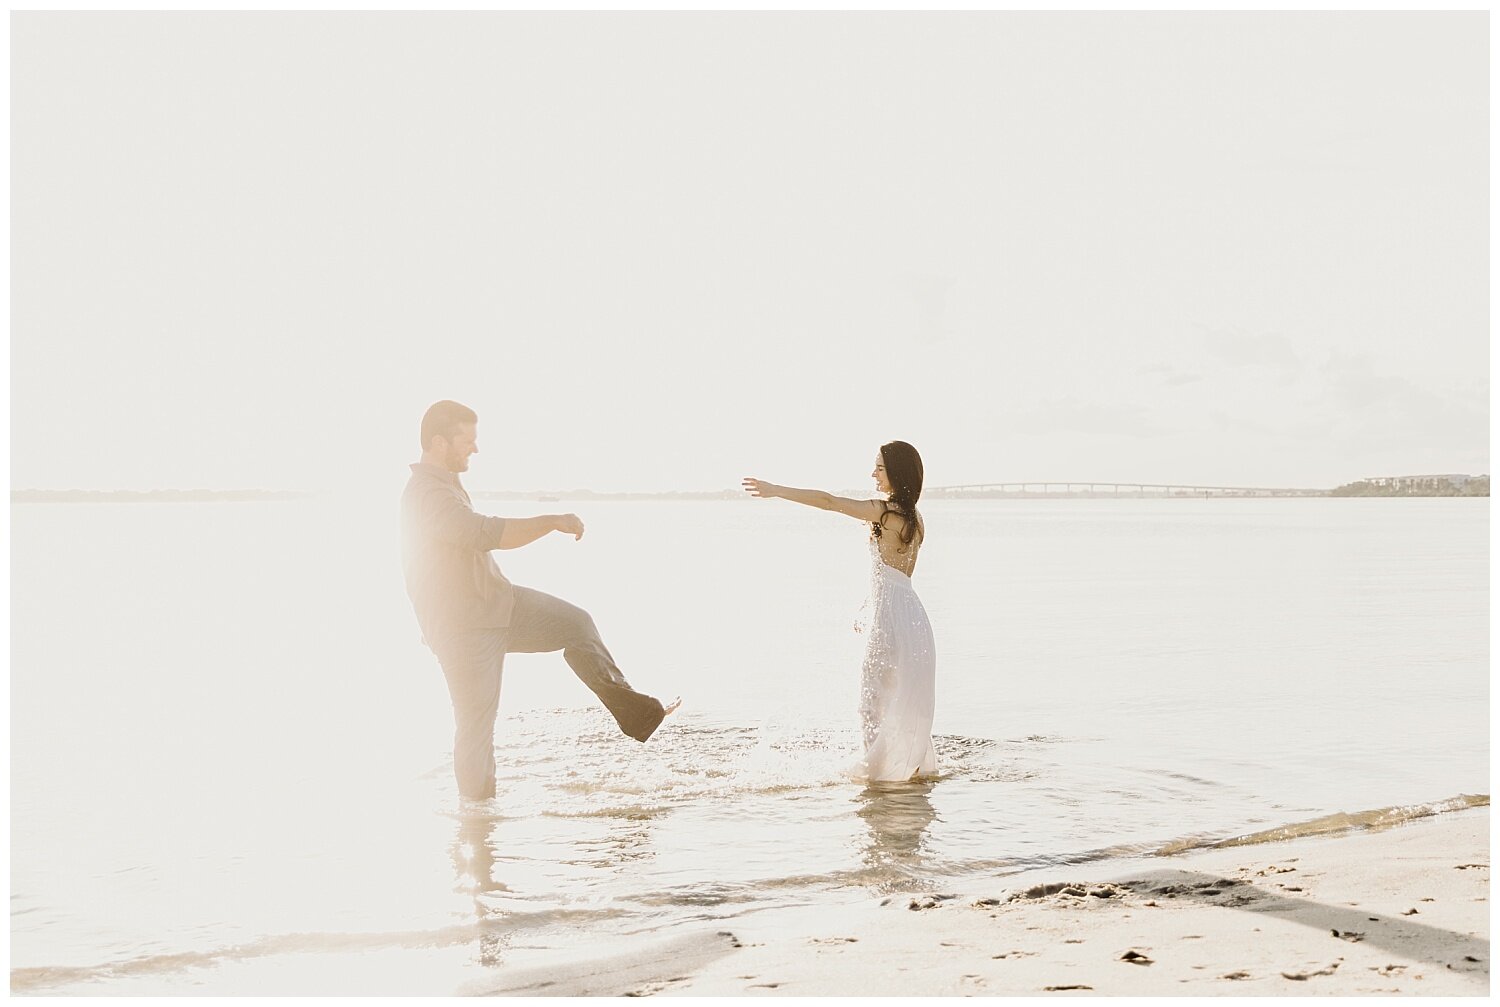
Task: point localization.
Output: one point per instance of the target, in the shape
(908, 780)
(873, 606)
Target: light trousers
(473, 662)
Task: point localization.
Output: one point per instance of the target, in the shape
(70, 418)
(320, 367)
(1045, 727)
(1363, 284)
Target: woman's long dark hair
(903, 470)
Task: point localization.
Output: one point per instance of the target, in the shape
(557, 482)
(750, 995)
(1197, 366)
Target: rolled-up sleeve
(452, 521)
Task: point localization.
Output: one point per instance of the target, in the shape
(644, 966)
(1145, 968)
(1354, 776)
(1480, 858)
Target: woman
(896, 691)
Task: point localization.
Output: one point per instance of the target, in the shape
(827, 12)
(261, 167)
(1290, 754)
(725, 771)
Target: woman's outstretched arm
(861, 510)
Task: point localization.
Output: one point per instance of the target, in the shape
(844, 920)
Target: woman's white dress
(896, 687)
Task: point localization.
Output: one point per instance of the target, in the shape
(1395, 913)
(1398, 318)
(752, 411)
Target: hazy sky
(665, 251)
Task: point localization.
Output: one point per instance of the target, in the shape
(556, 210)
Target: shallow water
(229, 746)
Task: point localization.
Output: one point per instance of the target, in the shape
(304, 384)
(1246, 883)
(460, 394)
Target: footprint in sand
(1235, 975)
(1072, 889)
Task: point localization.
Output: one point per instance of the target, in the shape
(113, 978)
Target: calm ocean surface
(229, 750)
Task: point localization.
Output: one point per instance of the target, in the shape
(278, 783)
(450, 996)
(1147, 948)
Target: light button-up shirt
(453, 582)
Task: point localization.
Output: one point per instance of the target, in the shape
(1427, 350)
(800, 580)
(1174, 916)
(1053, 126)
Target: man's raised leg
(540, 623)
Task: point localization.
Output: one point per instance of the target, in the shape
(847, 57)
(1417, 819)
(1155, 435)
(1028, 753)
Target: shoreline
(1399, 911)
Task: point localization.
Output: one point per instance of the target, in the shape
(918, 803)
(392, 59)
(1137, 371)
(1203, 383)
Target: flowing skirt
(897, 683)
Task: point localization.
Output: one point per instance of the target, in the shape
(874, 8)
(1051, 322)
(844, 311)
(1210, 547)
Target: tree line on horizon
(1477, 486)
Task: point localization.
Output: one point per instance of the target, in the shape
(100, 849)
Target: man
(471, 616)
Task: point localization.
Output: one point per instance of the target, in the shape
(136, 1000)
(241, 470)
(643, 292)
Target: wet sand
(1403, 911)
(1399, 911)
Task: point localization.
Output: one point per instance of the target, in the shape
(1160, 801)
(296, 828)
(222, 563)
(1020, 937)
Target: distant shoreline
(153, 496)
(572, 496)
(557, 496)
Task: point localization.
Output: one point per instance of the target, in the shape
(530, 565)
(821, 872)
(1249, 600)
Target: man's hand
(569, 524)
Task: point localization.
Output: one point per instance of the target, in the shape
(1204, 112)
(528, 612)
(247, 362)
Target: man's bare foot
(674, 704)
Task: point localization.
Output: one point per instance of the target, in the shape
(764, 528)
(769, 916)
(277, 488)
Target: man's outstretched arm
(521, 531)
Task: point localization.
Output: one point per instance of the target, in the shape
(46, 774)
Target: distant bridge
(1114, 489)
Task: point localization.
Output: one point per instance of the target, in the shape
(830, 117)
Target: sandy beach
(1403, 911)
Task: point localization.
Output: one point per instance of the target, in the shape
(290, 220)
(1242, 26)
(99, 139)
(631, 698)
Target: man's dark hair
(442, 419)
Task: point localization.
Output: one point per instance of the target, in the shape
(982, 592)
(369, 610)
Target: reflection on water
(473, 856)
(897, 816)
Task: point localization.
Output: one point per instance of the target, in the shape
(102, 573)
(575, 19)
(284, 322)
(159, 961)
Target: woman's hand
(864, 510)
(760, 488)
